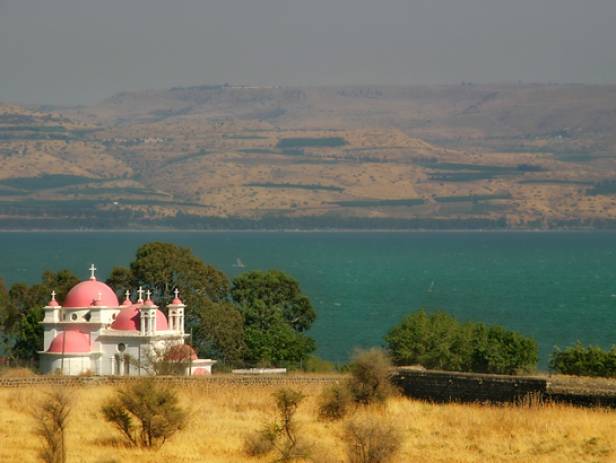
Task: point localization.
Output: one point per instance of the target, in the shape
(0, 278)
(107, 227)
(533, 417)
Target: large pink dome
(88, 292)
(129, 319)
(70, 341)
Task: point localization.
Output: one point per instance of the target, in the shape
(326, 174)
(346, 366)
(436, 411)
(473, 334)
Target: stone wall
(444, 386)
(433, 386)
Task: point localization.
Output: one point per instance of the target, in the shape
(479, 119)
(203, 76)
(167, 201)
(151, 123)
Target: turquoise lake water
(556, 287)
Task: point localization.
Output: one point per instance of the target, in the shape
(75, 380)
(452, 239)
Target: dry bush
(21, 372)
(370, 376)
(281, 436)
(146, 413)
(51, 415)
(334, 402)
(260, 442)
(371, 440)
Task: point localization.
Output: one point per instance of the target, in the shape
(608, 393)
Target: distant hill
(223, 156)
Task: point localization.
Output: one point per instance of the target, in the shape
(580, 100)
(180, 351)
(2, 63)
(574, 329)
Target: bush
(334, 402)
(314, 364)
(371, 440)
(439, 341)
(146, 413)
(51, 416)
(282, 435)
(370, 376)
(584, 361)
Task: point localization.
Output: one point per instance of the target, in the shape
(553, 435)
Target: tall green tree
(439, 341)
(217, 325)
(4, 316)
(220, 332)
(26, 311)
(263, 293)
(165, 266)
(276, 315)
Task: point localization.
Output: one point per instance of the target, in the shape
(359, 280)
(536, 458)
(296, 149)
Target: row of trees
(439, 341)
(257, 319)
(260, 318)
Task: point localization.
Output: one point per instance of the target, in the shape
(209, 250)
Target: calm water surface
(556, 287)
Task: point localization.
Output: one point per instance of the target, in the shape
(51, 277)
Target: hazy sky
(81, 51)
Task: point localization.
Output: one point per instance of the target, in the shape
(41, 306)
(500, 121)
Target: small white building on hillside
(92, 333)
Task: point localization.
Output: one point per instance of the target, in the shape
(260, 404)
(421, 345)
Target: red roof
(129, 319)
(88, 292)
(70, 341)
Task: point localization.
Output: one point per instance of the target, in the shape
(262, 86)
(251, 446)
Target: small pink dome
(200, 372)
(87, 292)
(129, 319)
(70, 341)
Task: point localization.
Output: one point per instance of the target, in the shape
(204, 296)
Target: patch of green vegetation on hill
(258, 151)
(114, 191)
(456, 172)
(243, 137)
(187, 157)
(607, 187)
(34, 128)
(553, 181)
(472, 198)
(45, 182)
(379, 202)
(299, 186)
(324, 142)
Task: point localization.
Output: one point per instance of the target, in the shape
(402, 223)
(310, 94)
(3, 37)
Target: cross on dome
(92, 270)
(127, 294)
(176, 292)
(140, 294)
(148, 293)
(53, 294)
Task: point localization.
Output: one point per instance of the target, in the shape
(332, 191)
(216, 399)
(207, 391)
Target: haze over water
(555, 287)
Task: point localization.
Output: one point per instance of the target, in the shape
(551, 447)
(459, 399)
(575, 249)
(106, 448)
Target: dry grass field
(222, 415)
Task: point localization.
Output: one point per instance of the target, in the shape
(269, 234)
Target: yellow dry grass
(222, 415)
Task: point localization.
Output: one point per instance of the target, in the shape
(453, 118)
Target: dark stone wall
(442, 386)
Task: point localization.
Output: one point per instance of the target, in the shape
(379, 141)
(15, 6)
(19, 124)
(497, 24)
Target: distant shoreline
(322, 230)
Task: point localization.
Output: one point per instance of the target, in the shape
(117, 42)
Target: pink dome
(129, 319)
(200, 372)
(70, 341)
(87, 292)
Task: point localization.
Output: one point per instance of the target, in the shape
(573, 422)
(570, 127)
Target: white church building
(92, 333)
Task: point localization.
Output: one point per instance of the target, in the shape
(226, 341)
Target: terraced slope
(465, 156)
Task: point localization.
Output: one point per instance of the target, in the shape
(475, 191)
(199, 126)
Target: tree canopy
(439, 341)
(260, 318)
(25, 312)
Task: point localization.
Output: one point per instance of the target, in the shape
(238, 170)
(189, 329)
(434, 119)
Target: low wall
(433, 386)
(248, 380)
(445, 386)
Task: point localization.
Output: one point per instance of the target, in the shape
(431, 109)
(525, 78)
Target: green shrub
(439, 341)
(334, 402)
(370, 380)
(584, 361)
(371, 440)
(146, 413)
